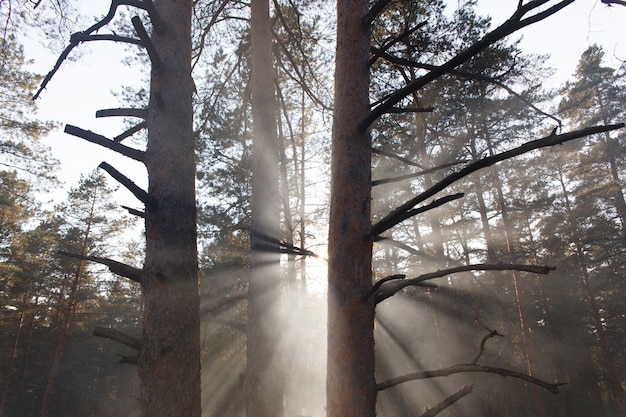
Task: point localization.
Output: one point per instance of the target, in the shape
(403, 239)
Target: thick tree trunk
(169, 361)
(264, 375)
(350, 387)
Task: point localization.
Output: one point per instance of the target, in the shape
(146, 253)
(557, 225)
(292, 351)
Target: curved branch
(392, 288)
(469, 367)
(92, 137)
(75, 39)
(147, 43)
(550, 140)
(415, 174)
(513, 24)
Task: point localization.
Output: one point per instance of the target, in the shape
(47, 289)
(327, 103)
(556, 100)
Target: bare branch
(392, 288)
(381, 281)
(469, 367)
(415, 174)
(612, 2)
(92, 137)
(118, 336)
(514, 23)
(75, 40)
(143, 196)
(116, 267)
(388, 223)
(481, 350)
(550, 140)
(431, 412)
(147, 43)
(124, 359)
(122, 112)
(130, 131)
(465, 74)
(134, 212)
(398, 157)
(81, 37)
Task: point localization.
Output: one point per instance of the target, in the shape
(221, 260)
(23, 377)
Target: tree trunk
(264, 376)
(350, 387)
(169, 361)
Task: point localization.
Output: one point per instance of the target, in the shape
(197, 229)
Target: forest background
(559, 207)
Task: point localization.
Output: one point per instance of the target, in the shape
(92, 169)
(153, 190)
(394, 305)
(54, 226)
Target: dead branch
(395, 40)
(415, 174)
(92, 137)
(405, 247)
(118, 336)
(464, 74)
(550, 140)
(382, 226)
(398, 157)
(481, 349)
(431, 412)
(75, 39)
(122, 112)
(141, 195)
(513, 24)
(381, 281)
(147, 43)
(81, 37)
(130, 131)
(392, 288)
(134, 212)
(399, 110)
(116, 267)
(465, 368)
(611, 2)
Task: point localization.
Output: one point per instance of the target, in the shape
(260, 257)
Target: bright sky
(80, 88)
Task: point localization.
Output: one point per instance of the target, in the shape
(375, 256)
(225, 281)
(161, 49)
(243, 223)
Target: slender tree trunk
(264, 376)
(13, 355)
(607, 356)
(350, 386)
(169, 361)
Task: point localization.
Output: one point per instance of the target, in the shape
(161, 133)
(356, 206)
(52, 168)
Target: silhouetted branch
(388, 223)
(481, 350)
(469, 367)
(464, 74)
(79, 37)
(147, 43)
(415, 174)
(130, 131)
(116, 267)
(118, 336)
(395, 40)
(123, 112)
(514, 23)
(411, 110)
(611, 2)
(398, 157)
(550, 140)
(381, 281)
(431, 412)
(92, 137)
(143, 196)
(405, 247)
(392, 288)
(134, 212)
(373, 13)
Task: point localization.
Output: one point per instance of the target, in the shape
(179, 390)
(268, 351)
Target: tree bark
(350, 387)
(169, 360)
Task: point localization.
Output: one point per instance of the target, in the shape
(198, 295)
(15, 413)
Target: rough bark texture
(169, 361)
(351, 387)
(264, 379)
